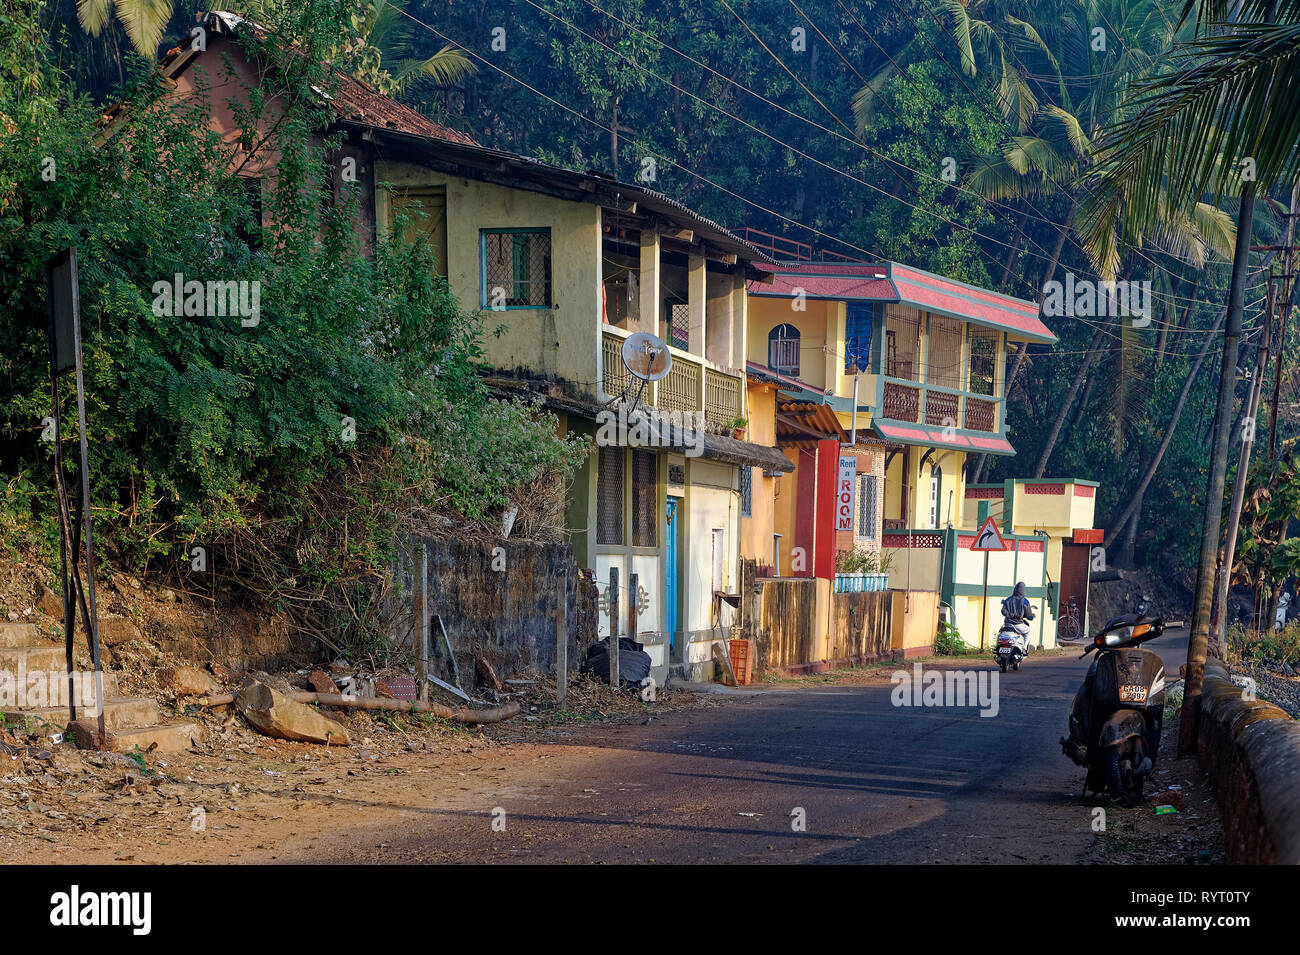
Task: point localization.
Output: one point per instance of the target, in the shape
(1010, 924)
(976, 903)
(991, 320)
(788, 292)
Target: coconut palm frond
(93, 15)
(448, 66)
(144, 21)
(1221, 113)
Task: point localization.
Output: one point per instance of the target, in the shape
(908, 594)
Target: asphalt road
(876, 783)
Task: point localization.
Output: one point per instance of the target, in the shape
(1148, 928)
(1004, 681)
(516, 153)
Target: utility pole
(1274, 334)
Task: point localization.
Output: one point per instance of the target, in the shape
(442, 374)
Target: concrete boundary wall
(1250, 750)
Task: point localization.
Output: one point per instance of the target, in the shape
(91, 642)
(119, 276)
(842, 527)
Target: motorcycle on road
(1115, 721)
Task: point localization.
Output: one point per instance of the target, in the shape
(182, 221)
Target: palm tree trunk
(1239, 493)
(1064, 410)
(1135, 503)
(1015, 249)
(1198, 643)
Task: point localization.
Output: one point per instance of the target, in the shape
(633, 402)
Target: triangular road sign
(988, 537)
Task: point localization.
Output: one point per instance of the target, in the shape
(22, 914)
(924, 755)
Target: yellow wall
(906, 467)
(767, 313)
(756, 531)
(561, 341)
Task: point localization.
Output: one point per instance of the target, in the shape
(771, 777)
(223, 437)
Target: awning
(902, 432)
(807, 421)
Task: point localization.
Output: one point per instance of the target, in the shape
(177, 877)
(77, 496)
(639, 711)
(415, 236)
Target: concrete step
(24, 635)
(168, 737)
(48, 658)
(118, 714)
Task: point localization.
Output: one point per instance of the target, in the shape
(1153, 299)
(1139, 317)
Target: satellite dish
(646, 356)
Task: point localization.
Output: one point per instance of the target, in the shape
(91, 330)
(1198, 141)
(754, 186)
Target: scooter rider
(1016, 610)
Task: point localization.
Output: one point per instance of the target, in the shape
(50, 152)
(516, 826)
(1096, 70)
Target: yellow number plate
(1133, 693)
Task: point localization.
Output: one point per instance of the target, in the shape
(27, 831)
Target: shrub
(948, 641)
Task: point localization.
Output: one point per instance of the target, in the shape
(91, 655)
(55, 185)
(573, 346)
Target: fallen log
(460, 714)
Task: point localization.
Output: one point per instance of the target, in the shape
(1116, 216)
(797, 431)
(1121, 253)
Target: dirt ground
(242, 796)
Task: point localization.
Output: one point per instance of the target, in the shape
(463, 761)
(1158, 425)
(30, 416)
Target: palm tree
(382, 52)
(995, 36)
(1055, 158)
(143, 20)
(1223, 120)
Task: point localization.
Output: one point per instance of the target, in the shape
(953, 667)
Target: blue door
(670, 586)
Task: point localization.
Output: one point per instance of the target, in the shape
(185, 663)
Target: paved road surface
(877, 784)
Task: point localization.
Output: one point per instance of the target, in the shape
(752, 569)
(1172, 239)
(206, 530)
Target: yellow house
(566, 267)
(912, 366)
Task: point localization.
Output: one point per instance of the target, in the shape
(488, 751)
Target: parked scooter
(1116, 716)
(1012, 645)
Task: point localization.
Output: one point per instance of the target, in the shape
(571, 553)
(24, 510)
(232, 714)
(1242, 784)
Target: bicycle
(1070, 626)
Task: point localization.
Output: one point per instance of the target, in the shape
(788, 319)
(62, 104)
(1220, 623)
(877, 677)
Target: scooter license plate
(1004, 649)
(1133, 693)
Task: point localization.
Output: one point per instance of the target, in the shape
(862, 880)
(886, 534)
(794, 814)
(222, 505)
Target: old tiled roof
(351, 100)
(355, 101)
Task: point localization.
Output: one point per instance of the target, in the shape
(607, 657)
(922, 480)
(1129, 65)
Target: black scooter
(1116, 716)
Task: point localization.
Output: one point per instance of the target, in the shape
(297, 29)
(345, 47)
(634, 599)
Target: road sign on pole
(987, 538)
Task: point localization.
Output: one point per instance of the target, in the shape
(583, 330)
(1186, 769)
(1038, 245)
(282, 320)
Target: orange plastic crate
(742, 659)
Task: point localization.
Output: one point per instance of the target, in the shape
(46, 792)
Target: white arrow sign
(988, 537)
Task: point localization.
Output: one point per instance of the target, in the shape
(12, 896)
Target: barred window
(867, 490)
(609, 497)
(516, 268)
(645, 499)
(746, 492)
(983, 362)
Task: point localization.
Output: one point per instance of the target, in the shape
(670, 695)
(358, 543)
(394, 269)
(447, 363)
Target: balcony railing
(901, 402)
(691, 385)
(680, 389)
(981, 415)
(942, 409)
(721, 397)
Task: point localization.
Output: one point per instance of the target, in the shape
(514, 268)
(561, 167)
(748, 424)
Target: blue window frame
(857, 335)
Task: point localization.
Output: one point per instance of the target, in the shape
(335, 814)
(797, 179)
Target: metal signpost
(987, 539)
(64, 313)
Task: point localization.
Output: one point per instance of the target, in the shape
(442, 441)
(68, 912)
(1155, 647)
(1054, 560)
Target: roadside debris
(275, 714)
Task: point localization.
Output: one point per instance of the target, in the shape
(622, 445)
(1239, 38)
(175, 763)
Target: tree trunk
(1064, 410)
(1015, 249)
(1198, 642)
(1136, 501)
(1239, 488)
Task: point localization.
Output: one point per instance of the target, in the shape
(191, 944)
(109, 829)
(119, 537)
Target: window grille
(645, 499)
(983, 362)
(867, 490)
(609, 497)
(783, 349)
(517, 269)
(746, 492)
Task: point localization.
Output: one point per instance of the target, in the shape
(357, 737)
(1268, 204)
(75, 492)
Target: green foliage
(863, 560)
(1247, 646)
(292, 447)
(948, 641)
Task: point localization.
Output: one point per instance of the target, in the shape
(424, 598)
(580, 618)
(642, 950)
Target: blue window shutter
(857, 335)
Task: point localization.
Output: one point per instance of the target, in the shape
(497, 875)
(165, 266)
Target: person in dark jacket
(1017, 611)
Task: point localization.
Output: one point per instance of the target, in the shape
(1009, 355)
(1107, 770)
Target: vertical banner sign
(844, 491)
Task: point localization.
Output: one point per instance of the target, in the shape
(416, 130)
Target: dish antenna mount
(646, 358)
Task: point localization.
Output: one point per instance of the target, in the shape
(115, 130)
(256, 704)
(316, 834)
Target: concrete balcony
(693, 384)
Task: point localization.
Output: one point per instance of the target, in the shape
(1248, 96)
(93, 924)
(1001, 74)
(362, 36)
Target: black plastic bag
(633, 661)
